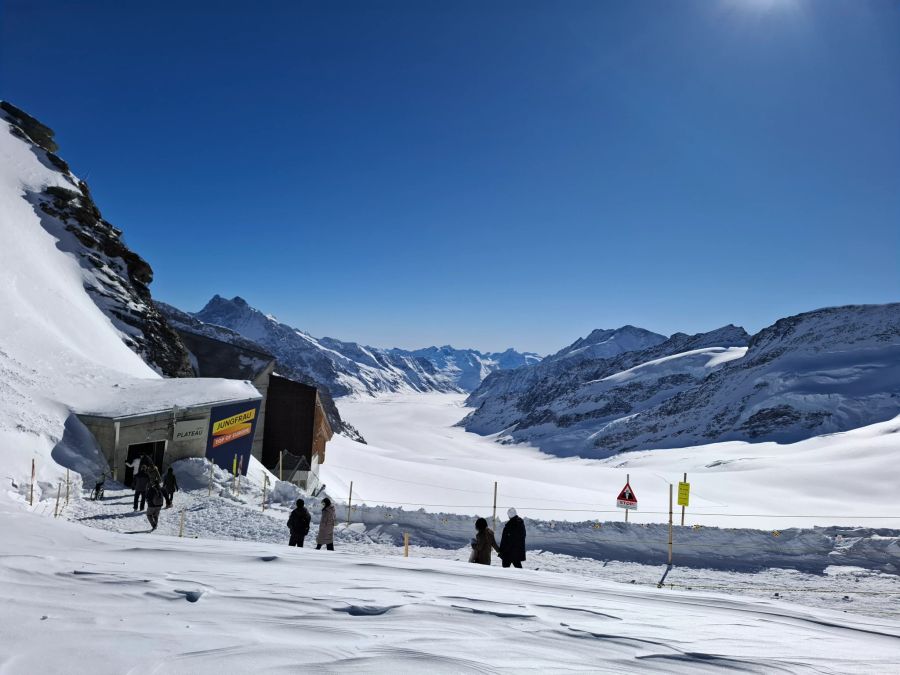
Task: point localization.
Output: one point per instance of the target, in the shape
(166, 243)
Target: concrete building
(168, 421)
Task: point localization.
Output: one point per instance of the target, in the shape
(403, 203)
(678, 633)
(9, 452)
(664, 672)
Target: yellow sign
(238, 421)
(684, 494)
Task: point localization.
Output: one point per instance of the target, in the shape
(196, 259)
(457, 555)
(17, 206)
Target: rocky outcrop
(116, 277)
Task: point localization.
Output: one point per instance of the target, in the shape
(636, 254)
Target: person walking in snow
(326, 526)
(170, 487)
(141, 485)
(512, 541)
(155, 501)
(298, 524)
(482, 544)
(152, 472)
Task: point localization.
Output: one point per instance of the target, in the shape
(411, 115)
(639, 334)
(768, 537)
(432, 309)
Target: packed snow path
(84, 600)
(229, 517)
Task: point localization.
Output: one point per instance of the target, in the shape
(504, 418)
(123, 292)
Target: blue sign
(230, 438)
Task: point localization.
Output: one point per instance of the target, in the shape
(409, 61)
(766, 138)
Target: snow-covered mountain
(346, 368)
(183, 321)
(115, 277)
(466, 368)
(819, 372)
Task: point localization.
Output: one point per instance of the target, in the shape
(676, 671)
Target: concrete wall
(261, 382)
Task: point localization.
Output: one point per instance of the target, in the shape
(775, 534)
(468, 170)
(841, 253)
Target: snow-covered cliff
(819, 372)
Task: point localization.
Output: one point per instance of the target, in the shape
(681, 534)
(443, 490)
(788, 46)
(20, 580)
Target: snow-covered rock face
(820, 372)
(346, 368)
(115, 277)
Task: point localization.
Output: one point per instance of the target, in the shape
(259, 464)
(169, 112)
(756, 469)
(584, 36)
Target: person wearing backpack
(155, 501)
(298, 524)
(141, 485)
(170, 486)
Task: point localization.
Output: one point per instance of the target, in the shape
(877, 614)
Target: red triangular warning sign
(626, 499)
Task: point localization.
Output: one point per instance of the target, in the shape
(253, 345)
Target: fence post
(212, 468)
(494, 519)
(56, 508)
(265, 485)
(406, 544)
(181, 527)
(682, 506)
(281, 466)
(67, 487)
(31, 488)
(350, 502)
(627, 482)
(670, 524)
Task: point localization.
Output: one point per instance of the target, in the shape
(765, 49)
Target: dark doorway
(155, 450)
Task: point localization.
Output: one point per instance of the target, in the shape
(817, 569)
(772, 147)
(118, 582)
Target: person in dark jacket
(482, 544)
(512, 541)
(298, 524)
(170, 486)
(141, 484)
(155, 500)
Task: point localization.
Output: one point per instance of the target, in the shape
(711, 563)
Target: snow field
(229, 516)
(110, 602)
(416, 457)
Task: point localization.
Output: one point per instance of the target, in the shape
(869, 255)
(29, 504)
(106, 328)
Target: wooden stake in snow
(56, 508)
(67, 487)
(181, 527)
(265, 485)
(670, 524)
(212, 467)
(350, 502)
(627, 482)
(31, 488)
(281, 466)
(494, 518)
(683, 506)
(406, 544)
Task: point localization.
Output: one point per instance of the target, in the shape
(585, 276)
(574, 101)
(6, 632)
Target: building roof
(146, 397)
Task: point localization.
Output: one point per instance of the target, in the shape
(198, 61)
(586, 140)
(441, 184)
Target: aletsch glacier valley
(786, 435)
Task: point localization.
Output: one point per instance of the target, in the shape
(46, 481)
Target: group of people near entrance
(151, 489)
(300, 518)
(511, 548)
(512, 542)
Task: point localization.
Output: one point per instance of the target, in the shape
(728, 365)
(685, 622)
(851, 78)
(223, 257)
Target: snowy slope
(59, 350)
(85, 600)
(116, 278)
(349, 368)
(819, 372)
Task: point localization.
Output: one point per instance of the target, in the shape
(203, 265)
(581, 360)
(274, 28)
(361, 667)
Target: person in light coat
(326, 526)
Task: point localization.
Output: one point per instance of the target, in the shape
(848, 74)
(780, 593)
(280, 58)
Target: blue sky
(483, 174)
